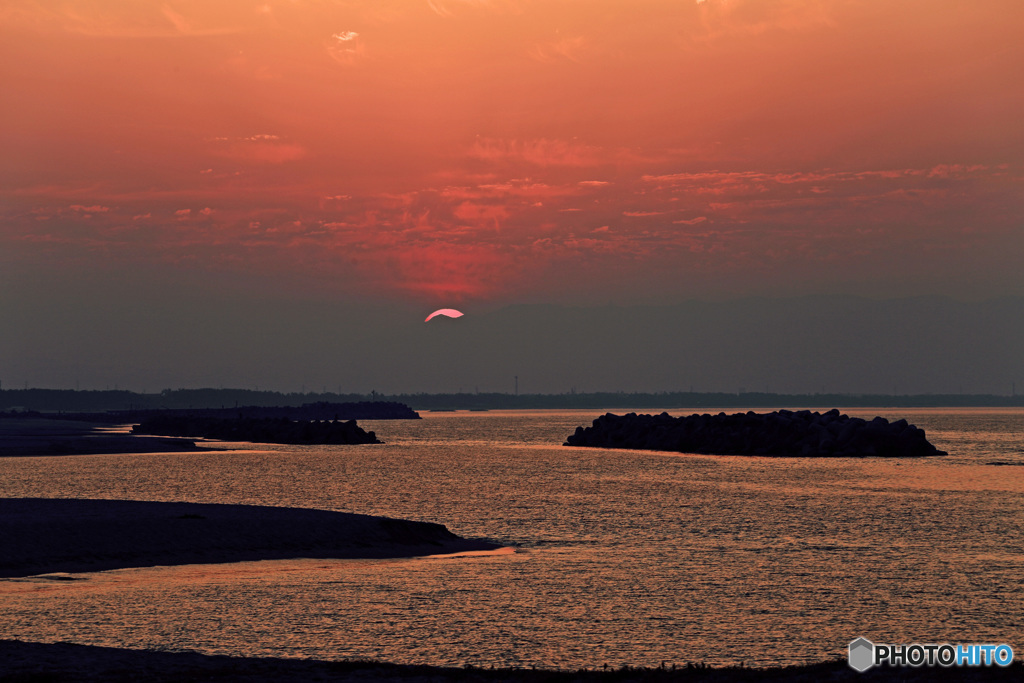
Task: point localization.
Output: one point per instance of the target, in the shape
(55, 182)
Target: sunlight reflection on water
(624, 557)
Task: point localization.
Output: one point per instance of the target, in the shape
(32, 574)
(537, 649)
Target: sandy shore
(40, 436)
(66, 662)
(45, 535)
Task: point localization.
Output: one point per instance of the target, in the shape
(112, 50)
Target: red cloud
(469, 211)
(263, 148)
(542, 152)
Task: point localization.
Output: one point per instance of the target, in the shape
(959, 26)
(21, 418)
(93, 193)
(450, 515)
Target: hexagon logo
(862, 654)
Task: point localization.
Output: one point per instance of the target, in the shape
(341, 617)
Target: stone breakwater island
(49, 535)
(783, 433)
(31, 433)
(258, 430)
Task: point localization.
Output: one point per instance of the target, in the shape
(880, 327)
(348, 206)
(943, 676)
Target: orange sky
(453, 151)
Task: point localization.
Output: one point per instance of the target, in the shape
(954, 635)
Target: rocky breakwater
(258, 430)
(781, 433)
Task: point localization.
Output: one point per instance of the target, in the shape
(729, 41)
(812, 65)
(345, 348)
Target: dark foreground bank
(46, 662)
(46, 535)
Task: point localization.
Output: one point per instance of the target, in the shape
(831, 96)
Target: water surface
(622, 557)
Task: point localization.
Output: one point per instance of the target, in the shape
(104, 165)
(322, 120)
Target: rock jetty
(783, 433)
(259, 430)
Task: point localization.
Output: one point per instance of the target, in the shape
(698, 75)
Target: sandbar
(49, 535)
(40, 436)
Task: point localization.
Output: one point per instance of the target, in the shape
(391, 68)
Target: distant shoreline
(71, 401)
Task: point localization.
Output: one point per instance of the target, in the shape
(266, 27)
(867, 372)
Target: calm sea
(621, 557)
